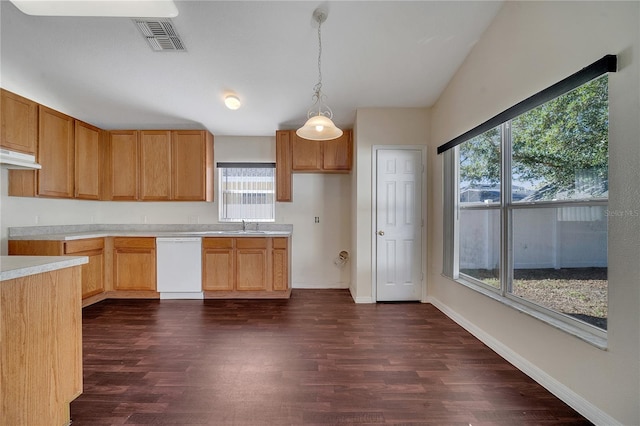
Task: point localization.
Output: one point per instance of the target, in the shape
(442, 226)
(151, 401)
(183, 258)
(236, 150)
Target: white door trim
(374, 199)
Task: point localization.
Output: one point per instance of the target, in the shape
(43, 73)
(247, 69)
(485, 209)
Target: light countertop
(73, 232)
(21, 266)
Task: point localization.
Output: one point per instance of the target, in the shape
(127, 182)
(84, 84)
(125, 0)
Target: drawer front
(251, 243)
(134, 242)
(224, 243)
(83, 245)
(280, 243)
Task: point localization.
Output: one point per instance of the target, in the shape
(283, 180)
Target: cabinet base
(285, 294)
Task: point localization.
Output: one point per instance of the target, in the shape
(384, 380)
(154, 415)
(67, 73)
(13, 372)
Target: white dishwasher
(179, 267)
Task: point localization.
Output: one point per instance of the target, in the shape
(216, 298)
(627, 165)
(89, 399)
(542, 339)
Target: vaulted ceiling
(375, 54)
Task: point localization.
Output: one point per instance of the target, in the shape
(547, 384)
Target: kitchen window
(525, 218)
(246, 192)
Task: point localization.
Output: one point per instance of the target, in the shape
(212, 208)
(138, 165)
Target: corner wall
(528, 47)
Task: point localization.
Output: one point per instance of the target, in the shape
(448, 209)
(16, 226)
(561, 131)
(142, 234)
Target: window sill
(597, 339)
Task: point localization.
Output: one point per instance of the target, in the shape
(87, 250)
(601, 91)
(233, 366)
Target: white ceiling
(375, 54)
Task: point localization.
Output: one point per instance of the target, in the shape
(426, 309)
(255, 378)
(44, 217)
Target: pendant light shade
(319, 128)
(319, 125)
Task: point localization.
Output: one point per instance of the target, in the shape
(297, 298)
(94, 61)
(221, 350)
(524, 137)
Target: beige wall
(529, 46)
(376, 126)
(315, 246)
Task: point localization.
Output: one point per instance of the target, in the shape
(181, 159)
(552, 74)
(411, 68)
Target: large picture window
(247, 192)
(528, 216)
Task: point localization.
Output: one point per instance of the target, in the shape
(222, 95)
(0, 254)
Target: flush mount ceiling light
(319, 126)
(103, 8)
(232, 102)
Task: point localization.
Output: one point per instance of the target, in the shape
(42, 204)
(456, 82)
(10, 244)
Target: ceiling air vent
(160, 34)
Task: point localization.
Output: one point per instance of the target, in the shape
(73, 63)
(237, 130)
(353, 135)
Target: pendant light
(319, 126)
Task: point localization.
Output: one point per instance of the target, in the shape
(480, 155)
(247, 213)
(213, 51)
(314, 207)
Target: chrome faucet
(244, 225)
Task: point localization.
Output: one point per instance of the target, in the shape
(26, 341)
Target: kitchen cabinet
(56, 146)
(160, 165)
(192, 165)
(306, 155)
(251, 264)
(245, 267)
(333, 156)
(122, 176)
(337, 154)
(88, 162)
(93, 273)
(134, 263)
(155, 165)
(41, 351)
(280, 264)
(284, 181)
(19, 123)
(218, 264)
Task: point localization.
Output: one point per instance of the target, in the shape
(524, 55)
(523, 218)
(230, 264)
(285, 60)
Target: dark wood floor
(316, 359)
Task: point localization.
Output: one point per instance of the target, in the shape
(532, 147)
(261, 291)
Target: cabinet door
(55, 153)
(192, 165)
(92, 272)
(123, 167)
(280, 264)
(19, 123)
(87, 161)
(134, 264)
(283, 166)
(155, 165)
(218, 264)
(251, 264)
(338, 153)
(306, 154)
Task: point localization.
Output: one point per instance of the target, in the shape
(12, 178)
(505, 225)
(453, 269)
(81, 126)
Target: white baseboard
(575, 401)
(367, 299)
(320, 286)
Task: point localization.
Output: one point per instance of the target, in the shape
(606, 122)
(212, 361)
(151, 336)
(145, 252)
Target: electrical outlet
(317, 220)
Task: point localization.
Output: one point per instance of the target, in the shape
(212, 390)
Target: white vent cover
(160, 34)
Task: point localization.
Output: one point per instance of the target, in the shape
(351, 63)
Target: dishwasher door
(179, 267)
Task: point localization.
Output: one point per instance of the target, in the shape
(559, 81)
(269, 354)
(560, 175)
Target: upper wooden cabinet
(19, 123)
(306, 154)
(56, 145)
(88, 164)
(155, 165)
(122, 176)
(160, 165)
(334, 156)
(283, 166)
(192, 165)
(337, 153)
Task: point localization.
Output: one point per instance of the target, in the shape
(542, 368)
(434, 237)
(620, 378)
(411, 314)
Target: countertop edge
(12, 267)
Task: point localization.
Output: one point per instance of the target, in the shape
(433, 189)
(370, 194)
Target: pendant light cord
(318, 87)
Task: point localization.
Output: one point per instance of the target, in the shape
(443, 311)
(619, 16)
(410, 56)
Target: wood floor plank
(315, 359)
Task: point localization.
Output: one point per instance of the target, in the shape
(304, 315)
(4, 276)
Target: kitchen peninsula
(41, 336)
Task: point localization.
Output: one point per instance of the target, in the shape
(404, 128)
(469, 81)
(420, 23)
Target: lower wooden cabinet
(239, 267)
(218, 264)
(134, 263)
(93, 273)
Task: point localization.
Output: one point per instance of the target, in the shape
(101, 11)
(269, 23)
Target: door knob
(381, 233)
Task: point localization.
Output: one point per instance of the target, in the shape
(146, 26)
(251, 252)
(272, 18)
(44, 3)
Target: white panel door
(399, 224)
